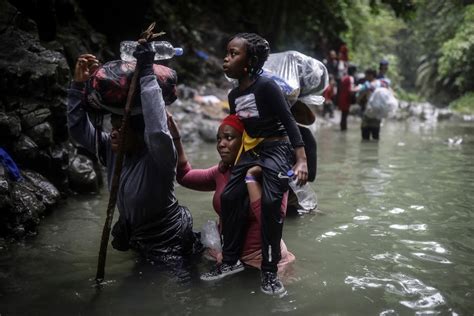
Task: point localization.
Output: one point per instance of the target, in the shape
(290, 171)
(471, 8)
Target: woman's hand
(172, 126)
(86, 64)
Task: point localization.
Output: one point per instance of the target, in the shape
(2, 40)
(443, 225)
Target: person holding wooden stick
(151, 220)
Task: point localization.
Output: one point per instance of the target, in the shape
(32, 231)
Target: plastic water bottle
(162, 49)
(307, 198)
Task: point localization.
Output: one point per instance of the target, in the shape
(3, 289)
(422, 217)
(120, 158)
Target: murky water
(396, 237)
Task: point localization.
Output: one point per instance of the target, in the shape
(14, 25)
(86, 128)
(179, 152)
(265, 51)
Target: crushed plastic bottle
(162, 49)
(307, 198)
(210, 236)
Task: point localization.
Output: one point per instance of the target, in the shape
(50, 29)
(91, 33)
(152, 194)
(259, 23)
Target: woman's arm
(197, 179)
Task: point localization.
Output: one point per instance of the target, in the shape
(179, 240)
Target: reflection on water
(394, 237)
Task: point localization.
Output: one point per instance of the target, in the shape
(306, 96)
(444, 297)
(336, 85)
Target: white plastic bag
(305, 77)
(210, 236)
(380, 103)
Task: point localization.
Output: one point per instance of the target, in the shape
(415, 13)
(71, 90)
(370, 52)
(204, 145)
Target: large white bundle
(380, 103)
(299, 76)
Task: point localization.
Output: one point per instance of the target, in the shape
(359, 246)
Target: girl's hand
(172, 125)
(301, 171)
(86, 64)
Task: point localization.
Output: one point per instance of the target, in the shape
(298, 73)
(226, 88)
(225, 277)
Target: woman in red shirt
(215, 178)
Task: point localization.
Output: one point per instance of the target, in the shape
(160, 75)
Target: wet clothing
(151, 220)
(265, 113)
(274, 157)
(332, 67)
(345, 93)
(212, 179)
(370, 127)
(329, 96)
(345, 99)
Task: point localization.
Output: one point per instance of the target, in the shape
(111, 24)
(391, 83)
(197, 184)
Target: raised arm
(79, 125)
(157, 136)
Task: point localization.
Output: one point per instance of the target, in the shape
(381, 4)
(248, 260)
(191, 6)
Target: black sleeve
(231, 100)
(279, 105)
(311, 150)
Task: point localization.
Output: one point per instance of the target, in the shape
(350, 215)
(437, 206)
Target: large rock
(10, 127)
(59, 167)
(42, 134)
(208, 130)
(46, 192)
(25, 150)
(34, 118)
(82, 176)
(25, 214)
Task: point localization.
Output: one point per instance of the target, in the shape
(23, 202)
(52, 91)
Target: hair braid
(258, 50)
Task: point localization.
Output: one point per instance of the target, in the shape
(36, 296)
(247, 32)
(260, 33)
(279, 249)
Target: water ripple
(414, 227)
(390, 257)
(431, 258)
(413, 292)
(396, 210)
(425, 245)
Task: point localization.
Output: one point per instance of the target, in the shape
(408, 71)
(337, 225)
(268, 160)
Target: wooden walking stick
(147, 36)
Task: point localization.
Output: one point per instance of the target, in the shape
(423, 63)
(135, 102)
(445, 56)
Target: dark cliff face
(34, 76)
(40, 41)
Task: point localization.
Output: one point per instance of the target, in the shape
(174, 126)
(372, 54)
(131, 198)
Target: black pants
(273, 158)
(370, 131)
(370, 127)
(328, 108)
(344, 115)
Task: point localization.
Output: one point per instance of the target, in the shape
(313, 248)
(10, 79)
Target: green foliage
(372, 36)
(402, 94)
(425, 46)
(464, 104)
(457, 55)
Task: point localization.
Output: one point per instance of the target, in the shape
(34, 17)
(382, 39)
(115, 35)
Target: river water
(395, 236)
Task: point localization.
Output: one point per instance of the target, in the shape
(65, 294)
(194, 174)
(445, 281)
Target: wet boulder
(59, 167)
(10, 127)
(82, 176)
(42, 134)
(208, 130)
(46, 192)
(25, 149)
(5, 201)
(34, 118)
(26, 209)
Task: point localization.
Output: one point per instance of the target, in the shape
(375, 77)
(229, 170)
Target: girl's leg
(275, 159)
(234, 211)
